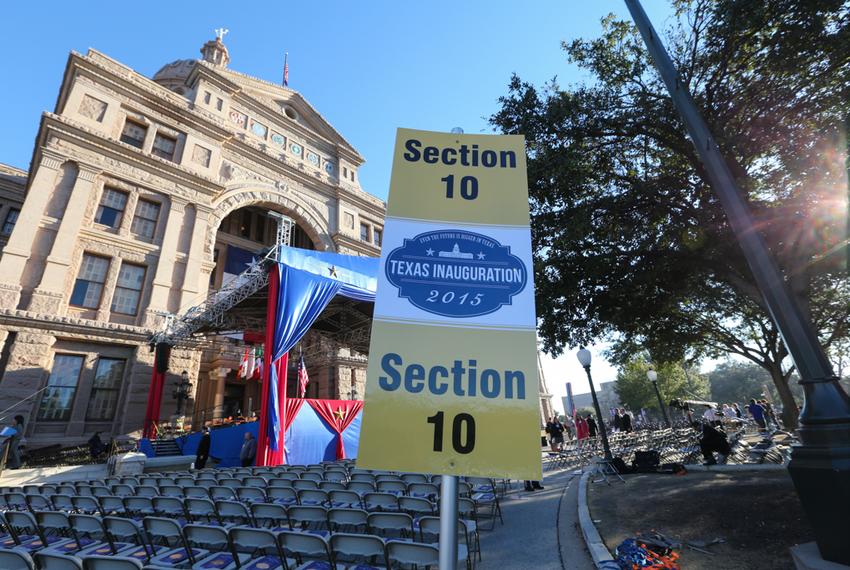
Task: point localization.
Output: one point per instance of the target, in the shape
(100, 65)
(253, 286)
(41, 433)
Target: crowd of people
(713, 425)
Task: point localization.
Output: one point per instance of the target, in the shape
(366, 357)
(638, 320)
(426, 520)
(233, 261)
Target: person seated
(712, 441)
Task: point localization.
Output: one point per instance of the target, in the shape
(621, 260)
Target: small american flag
(302, 376)
(286, 70)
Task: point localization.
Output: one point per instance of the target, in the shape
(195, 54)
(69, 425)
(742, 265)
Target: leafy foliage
(636, 391)
(630, 242)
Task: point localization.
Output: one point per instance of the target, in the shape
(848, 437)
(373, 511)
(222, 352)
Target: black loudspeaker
(163, 353)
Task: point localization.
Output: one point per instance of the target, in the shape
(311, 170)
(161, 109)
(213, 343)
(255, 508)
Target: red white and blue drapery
(300, 287)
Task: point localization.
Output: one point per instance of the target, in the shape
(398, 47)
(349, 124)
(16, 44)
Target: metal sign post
(448, 522)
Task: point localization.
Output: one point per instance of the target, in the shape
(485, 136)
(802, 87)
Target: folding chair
(127, 538)
(335, 476)
(416, 506)
(16, 501)
(260, 547)
(414, 478)
(311, 518)
(222, 493)
(230, 482)
(329, 486)
(282, 495)
(216, 541)
(111, 505)
(313, 476)
(202, 510)
(361, 487)
(255, 481)
(313, 497)
(26, 533)
(146, 491)
(39, 503)
(347, 499)
(384, 524)
(176, 552)
(305, 547)
(396, 487)
(348, 519)
(18, 559)
(57, 525)
(251, 494)
(88, 504)
(423, 490)
(380, 502)
(195, 493)
(138, 507)
(429, 533)
(56, 561)
(233, 512)
(110, 563)
(271, 516)
(122, 490)
(305, 484)
(351, 549)
(413, 553)
(92, 537)
(170, 491)
(468, 514)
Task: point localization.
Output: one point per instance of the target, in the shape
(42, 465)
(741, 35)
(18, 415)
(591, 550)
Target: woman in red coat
(582, 431)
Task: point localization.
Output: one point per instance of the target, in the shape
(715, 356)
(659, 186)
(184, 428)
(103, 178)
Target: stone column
(29, 364)
(19, 247)
(194, 284)
(47, 297)
(77, 421)
(161, 286)
(219, 376)
(135, 395)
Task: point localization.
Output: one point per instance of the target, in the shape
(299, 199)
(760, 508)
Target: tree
(740, 381)
(636, 391)
(630, 242)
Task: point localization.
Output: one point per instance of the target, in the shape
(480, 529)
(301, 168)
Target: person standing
(737, 411)
(14, 459)
(249, 450)
(581, 429)
(712, 440)
(556, 434)
(757, 411)
(203, 450)
(625, 421)
(618, 421)
(591, 426)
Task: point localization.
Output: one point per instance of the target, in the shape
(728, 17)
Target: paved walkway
(540, 531)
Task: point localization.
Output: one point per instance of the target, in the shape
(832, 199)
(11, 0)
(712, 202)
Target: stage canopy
(288, 293)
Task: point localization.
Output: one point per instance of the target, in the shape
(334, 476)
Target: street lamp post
(584, 358)
(652, 375)
(181, 391)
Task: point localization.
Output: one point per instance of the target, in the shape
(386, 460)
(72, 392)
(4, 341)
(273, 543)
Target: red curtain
(338, 414)
(291, 410)
(264, 453)
(160, 367)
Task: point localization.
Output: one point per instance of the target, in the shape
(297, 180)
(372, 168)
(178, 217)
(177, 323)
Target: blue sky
(368, 67)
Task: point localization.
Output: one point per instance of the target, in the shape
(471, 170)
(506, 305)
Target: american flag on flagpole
(302, 376)
(286, 69)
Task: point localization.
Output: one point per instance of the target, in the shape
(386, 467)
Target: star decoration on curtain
(481, 255)
(332, 271)
(340, 414)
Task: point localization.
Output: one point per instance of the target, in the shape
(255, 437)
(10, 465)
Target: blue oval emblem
(455, 273)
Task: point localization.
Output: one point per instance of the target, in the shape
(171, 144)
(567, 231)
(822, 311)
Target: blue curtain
(301, 299)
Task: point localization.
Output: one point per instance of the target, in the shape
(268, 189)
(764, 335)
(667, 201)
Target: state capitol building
(143, 196)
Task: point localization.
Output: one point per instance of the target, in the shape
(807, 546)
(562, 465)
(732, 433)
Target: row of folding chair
(83, 541)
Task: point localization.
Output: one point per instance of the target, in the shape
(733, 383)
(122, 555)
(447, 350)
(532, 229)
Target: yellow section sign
(452, 382)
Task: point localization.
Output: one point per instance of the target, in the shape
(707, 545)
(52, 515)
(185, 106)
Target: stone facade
(119, 223)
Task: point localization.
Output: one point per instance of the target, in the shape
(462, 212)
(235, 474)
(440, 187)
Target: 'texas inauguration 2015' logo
(455, 273)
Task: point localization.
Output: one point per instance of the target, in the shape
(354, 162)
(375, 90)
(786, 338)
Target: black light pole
(820, 464)
(181, 391)
(652, 375)
(584, 358)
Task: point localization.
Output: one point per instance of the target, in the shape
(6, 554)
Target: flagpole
(286, 69)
